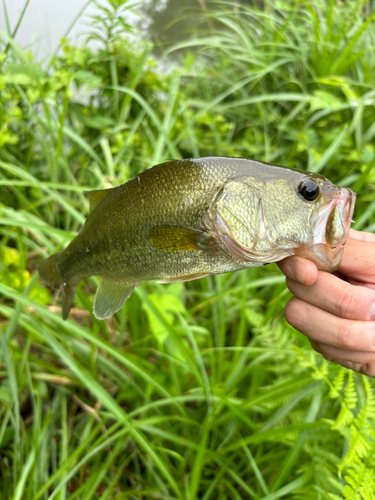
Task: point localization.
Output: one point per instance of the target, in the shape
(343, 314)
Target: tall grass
(197, 390)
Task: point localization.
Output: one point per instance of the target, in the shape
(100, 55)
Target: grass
(196, 390)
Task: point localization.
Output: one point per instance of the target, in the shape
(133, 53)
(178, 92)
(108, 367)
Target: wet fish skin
(185, 219)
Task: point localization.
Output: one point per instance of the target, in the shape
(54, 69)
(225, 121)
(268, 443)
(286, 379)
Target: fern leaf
(338, 384)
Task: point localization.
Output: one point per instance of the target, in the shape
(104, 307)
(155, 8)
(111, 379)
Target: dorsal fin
(97, 196)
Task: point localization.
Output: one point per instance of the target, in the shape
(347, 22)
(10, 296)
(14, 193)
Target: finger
(358, 260)
(362, 236)
(299, 269)
(326, 328)
(367, 369)
(334, 353)
(337, 297)
(361, 283)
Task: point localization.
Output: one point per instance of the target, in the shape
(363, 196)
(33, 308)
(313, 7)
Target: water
(47, 21)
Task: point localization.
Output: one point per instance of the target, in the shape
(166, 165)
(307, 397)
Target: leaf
(324, 100)
(168, 305)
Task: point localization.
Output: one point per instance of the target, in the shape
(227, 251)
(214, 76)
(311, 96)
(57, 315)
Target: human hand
(337, 313)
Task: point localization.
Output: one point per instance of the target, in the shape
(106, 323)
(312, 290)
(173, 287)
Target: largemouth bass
(186, 219)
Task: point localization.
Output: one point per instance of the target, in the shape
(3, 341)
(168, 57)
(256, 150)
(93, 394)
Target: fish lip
(331, 225)
(345, 202)
(331, 222)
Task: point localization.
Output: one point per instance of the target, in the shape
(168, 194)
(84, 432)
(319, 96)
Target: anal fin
(110, 297)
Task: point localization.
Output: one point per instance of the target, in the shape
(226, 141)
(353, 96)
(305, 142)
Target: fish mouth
(331, 225)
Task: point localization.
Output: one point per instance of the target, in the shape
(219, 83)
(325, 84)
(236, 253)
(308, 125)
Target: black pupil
(309, 190)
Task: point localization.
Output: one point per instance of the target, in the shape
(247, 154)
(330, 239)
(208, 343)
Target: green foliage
(196, 390)
(359, 431)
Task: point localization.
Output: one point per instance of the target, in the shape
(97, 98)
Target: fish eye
(309, 189)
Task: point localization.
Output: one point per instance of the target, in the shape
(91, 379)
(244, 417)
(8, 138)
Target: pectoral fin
(175, 238)
(110, 297)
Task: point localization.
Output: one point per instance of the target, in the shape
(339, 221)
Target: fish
(187, 219)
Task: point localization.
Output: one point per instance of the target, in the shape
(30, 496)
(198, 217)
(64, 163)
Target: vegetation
(196, 390)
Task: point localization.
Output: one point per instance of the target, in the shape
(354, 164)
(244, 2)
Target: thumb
(299, 269)
(358, 261)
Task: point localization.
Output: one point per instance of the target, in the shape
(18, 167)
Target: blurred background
(164, 21)
(193, 390)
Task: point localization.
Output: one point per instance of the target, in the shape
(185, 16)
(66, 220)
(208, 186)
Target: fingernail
(290, 267)
(371, 312)
(298, 272)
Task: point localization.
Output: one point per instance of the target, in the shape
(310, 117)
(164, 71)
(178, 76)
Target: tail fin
(51, 276)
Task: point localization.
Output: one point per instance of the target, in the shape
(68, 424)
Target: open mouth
(331, 229)
(339, 221)
(332, 220)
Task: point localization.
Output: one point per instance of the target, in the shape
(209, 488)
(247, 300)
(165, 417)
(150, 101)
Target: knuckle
(346, 338)
(355, 336)
(348, 305)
